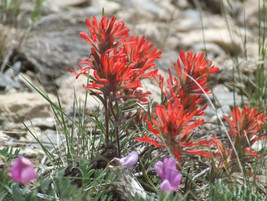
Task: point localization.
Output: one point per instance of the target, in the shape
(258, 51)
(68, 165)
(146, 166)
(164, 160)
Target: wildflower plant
(180, 104)
(115, 68)
(244, 132)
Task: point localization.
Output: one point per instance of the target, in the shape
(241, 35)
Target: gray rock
(7, 81)
(65, 3)
(192, 20)
(110, 7)
(27, 105)
(218, 6)
(14, 70)
(42, 123)
(54, 46)
(226, 97)
(32, 153)
(125, 3)
(67, 96)
(220, 37)
(14, 130)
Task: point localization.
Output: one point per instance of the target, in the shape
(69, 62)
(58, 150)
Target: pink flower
(130, 160)
(167, 171)
(22, 170)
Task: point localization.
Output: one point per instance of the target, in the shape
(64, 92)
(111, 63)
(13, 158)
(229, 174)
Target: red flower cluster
(118, 63)
(106, 34)
(191, 82)
(173, 129)
(180, 104)
(197, 67)
(244, 131)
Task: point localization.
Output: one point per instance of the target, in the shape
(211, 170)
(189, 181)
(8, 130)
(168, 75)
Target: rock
(148, 6)
(147, 10)
(14, 70)
(125, 3)
(54, 45)
(260, 145)
(110, 7)
(213, 51)
(250, 13)
(24, 104)
(218, 6)
(14, 130)
(7, 82)
(129, 187)
(32, 153)
(152, 86)
(220, 37)
(226, 98)
(168, 11)
(212, 5)
(66, 94)
(182, 4)
(66, 3)
(50, 138)
(28, 79)
(4, 138)
(42, 123)
(192, 20)
(252, 49)
(151, 31)
(15, 134)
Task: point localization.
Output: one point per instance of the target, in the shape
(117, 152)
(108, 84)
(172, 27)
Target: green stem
(106, 119)
(116, 129)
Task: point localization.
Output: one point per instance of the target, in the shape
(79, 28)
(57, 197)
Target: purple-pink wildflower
(22, 170)
(167, 171)
(130, 160)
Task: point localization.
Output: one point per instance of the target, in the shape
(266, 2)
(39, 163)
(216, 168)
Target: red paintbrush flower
(197, 67)
(244, 128)
(172, 129)
(118, 64)
(191, 102)
(141, 55)
(189, 92)
(113, 75)
(244, 131)
(106, 34)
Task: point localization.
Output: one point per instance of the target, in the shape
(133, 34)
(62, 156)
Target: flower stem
(116, 129)
(106, 119)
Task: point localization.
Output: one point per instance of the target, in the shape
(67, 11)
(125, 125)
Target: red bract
(244, 129)
(173, 129)
(113, 75)
(191, 102)
(198, 68)
(106, 34)
(140, 53)
(118, 65)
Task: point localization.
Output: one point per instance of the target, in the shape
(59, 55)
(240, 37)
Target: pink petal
(22, 170)
(159, 169)
(166, 187)
(130, 160)
(27, 175)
